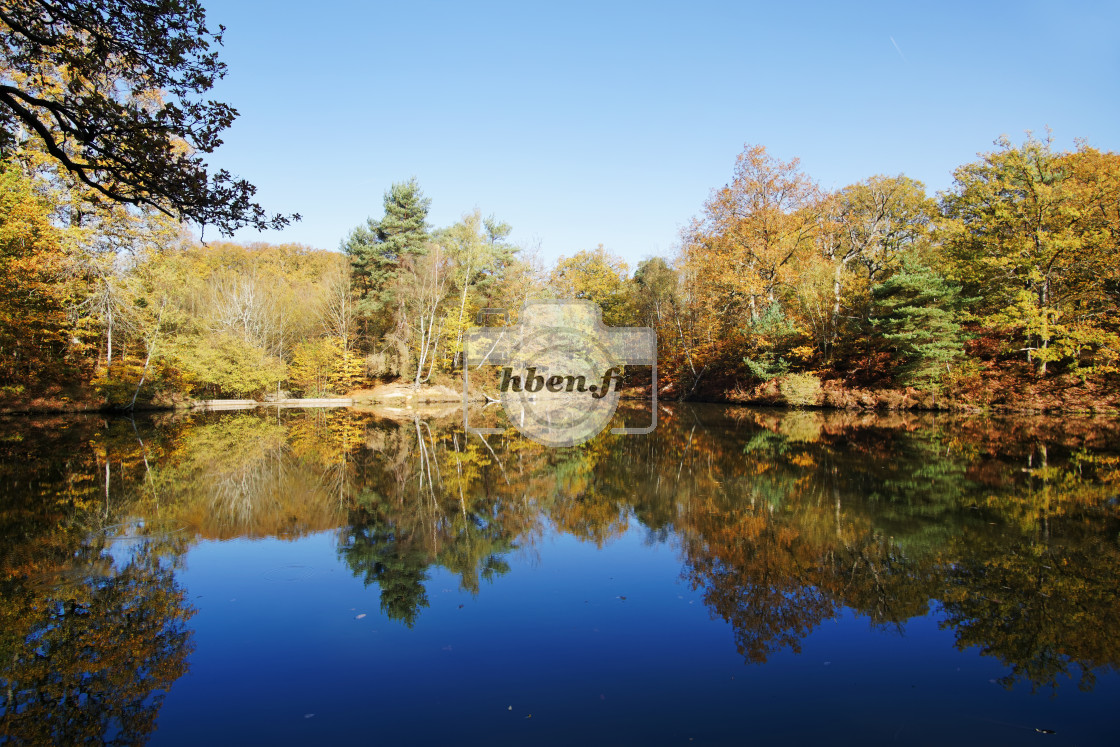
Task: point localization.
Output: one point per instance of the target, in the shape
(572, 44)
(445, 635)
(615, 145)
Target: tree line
(878, 282)
(1012, 270)
(777, 282)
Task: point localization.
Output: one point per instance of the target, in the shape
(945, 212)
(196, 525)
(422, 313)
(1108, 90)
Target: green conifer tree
(379, 250)
(917, 310)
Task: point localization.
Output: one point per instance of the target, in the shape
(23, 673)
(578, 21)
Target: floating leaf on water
(359, 617)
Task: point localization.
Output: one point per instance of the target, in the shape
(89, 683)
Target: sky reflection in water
(740, 575)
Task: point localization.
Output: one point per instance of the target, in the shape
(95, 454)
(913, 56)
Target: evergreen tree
(916, 310)
(380, 551)
(379, 250)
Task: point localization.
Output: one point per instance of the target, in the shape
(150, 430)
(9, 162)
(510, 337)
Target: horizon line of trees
(876, 283)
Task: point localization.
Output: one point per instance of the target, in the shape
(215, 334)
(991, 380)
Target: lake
(738, 576)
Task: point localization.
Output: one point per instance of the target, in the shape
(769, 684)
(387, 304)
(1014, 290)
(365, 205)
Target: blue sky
(609, 123)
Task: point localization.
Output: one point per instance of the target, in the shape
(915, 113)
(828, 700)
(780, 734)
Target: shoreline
(866, 401)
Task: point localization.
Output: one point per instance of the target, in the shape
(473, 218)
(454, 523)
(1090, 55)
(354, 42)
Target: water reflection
(94, 625)
(1007, 529)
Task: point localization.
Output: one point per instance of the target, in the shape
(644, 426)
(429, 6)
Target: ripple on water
(131, 531)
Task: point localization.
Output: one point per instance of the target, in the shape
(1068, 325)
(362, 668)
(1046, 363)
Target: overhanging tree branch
(113, 90)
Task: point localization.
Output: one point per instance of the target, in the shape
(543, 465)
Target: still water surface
(739, 576)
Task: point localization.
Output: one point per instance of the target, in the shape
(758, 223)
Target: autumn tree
(480, 253)
(1030, 232)
(867, 228)
(526, 277)
(1094, 180)
(338, 326)
(738, 260)
(752, 228)
(422, 297)
(653, 292)
(36, 332)
(655, 300)
(106, 248)
(597, 276)
(115, 91)
(230, 320)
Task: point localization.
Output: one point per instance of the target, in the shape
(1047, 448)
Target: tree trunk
(1044, 343)
(151, 346)
(109, 344)
(462, 309)
(833, 327)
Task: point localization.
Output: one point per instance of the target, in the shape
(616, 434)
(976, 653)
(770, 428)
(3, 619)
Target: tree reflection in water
(94, 625)
(1007, 530)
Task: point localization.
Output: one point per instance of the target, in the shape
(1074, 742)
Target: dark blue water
(575, 644)
(747, 579)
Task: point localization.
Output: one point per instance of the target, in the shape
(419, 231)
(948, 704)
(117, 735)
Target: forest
(1001, 291)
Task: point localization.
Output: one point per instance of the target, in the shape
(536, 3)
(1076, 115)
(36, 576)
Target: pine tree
(380, 249)
(916, 310)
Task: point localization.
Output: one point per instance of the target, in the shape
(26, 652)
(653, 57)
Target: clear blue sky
(609, 123)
